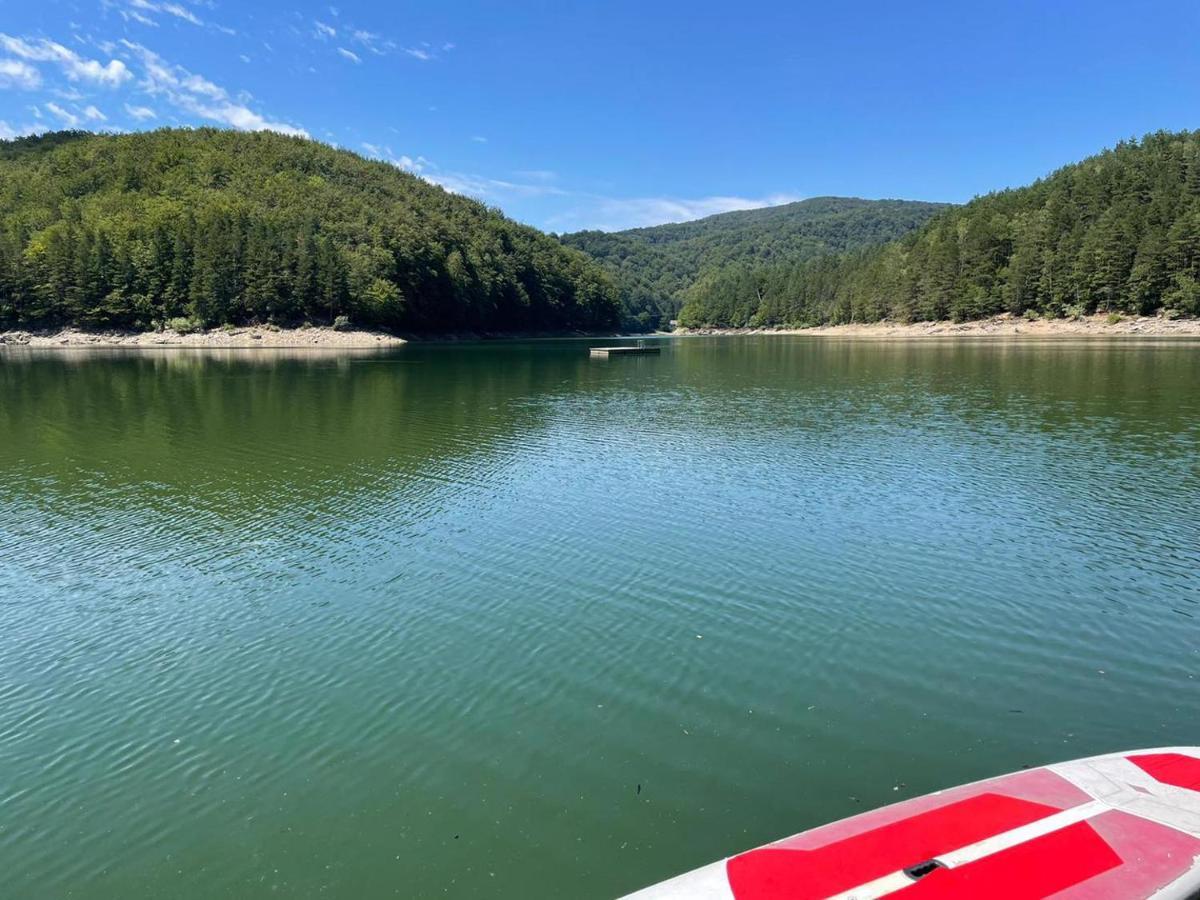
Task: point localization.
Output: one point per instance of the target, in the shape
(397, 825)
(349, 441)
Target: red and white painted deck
(1115, 827)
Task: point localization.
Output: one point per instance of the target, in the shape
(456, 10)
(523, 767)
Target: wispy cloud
(419, 53)
(74, 66)
(170, 9)
(375, 43)
(409, 164)
(479, 187)
(141, 113)
(478, 139)
(132, 15)
(349, 54)
(542, 175)
(197, 96)
(618, 213)
(8, 132)
(149, 12)
(491, 190)
(94, 115)
(65, 116)
(586, 210)
(323, 31)
(17, 74)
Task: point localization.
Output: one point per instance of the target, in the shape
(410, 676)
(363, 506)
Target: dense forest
(206, 227)
(654, 266)
(1117, 233)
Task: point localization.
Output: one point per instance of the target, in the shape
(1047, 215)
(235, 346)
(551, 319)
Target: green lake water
(501, 620)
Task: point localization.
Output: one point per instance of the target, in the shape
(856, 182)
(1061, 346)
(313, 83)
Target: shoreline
(322, 336)
(253, 337)
(1005, 325)
(240, 338)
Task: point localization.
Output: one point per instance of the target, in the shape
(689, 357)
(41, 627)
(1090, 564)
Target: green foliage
(654, 267)
(232, 227)
(184, 325)
(341, 323)
(1113, 318)
(1118, 233)
(1184, 296)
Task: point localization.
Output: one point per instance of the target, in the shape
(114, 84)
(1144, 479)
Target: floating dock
(606, 352)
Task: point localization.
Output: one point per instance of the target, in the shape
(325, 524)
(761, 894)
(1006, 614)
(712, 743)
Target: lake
(503, 620)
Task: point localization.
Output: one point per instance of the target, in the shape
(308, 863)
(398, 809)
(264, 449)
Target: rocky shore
(997, 326)
(227, 338)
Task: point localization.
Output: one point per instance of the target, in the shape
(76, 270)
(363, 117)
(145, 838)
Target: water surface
(502, 620)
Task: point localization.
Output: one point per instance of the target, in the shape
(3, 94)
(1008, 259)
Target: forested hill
(1118, 232)
(653, 266)
(229, 227)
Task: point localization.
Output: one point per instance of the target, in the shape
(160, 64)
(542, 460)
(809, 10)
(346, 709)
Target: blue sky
(614, 114)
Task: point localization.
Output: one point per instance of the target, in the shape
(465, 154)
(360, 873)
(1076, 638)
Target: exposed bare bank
(230, 338)
(997, 326)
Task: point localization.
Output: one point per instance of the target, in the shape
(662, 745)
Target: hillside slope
(653, 266)
(231, 227)
(1119, 232)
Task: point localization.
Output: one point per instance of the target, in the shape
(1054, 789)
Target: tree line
(654, 267)
(218, 227)
(1118, 232)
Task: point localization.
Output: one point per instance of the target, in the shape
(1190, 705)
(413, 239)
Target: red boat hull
(1116, 827)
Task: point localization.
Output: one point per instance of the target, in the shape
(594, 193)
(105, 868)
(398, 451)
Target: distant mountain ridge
(1118, 232)
(653, 266)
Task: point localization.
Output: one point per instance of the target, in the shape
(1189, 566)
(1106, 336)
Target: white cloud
(492, 190)
(418, 53)
(67, 117)
(618, 213)
(479, 187)
(349, 54)
(132, 15)
(139, 8)
(375, 43)
(74, 66)
(479, 139)
(543, 175)
(17, 74)
(200, 85)
(197, 96)
(141, 113)
(447, 46)
(180, 12)
(407, 163)
(94, 114)
(9, 132)
(324, 31)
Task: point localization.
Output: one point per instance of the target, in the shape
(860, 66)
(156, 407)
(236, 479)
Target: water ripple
(500, 620)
